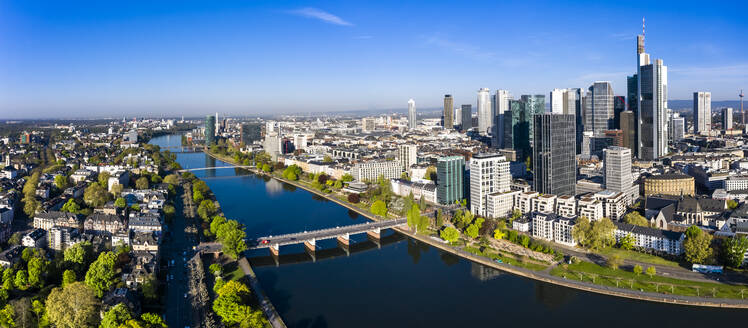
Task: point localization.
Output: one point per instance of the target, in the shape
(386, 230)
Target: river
(401, 282)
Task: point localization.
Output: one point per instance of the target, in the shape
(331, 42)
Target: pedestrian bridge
(310, 238)
(216, 167)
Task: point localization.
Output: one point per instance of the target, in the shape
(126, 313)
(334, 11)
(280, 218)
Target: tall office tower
(632, 89)
(485, 113)
(407, 155)
(619, 105)
(489, 173)
(653, 110)
(412, 114)
(450, 179)
(218, 125)
(518, 125)
(210, 130)
(535, 104)
(467, 117)
(501, 107)
(600, 114)
(573, 106)
(554, 159)
(458, 116)
(448, 115)
(677, 128)
(628, 126)
(702, 112)
(557, 101)
(727, 118)
(617, 169)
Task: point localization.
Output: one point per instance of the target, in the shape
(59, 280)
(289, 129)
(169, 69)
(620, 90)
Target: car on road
(265, 241)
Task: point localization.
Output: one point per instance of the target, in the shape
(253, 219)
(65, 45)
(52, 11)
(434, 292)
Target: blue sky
(102, 58)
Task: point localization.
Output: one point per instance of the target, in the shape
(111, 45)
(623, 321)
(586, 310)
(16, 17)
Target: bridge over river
(310, 238)
(216, 167)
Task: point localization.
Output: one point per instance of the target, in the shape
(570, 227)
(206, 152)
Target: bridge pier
(344, 239)
(274, 249)
(310, 245)
(375, 236)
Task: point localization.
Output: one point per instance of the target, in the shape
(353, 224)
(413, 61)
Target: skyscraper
(450, 179)
(557, 101)
(210, 130)
(628, 127)
(702, 112)
(617, 169)
(518, 125)
(485, 114)
(489, 173)
(448, 114)
(619, 105)
(727, 118)
(467, 117)
(599, 116)
(653, 110)
(501, 106)
(678, 128)
(407, 155)
(632, 103)
(412, 114)
(554, 159)
(573, 106)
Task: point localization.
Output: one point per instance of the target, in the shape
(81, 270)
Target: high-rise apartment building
(407, 155)
(489, 173)
(485, 113)
(210, 130)
(412, 114)
(702, 112)
(727, 118)
(501, 107)
(448, 114)
(467, 117)
(450, 179)
(617, 169)
(554, 159)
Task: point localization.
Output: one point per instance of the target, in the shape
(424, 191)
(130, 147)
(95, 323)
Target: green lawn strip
(506, 258)
(607, 277)
(637, 256)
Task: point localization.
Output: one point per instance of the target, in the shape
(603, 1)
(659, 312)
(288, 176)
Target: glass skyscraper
(554, 159)
(210, 130)
(450, 179)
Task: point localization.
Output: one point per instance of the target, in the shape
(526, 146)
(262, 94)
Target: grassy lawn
(637, 256)
(507, 258)
(590, 272)
(232, 271)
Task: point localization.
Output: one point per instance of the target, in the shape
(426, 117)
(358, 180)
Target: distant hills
(688, 104)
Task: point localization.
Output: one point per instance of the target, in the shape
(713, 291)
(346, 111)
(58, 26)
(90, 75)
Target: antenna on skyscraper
(643, 34)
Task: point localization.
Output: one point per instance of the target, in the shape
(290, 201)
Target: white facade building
(408, 156)
(500, 204)
(412, 123)
(489, 173)
(485, 113)
(372, 170)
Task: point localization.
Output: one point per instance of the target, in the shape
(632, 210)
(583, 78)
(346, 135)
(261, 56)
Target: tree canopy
(696, 245)
(73, 306)
(733, 250)
(636, 219)
(101, 275)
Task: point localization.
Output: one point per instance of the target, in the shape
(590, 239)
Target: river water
(401, 282)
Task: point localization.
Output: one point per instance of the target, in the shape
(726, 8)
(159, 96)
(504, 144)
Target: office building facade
(702, 112)
(448, 114)
(485, 112)
(450, 179)
(727, 118)
(554, 160)
(412, 123)
(407, 155)
(489, 173)
(467, 117)
(210, 130)
(501, 109)
(617, 169)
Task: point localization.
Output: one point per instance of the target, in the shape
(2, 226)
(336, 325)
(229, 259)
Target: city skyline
(160, 59)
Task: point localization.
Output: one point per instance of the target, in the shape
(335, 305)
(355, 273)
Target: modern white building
(552, 227)
(489, 173)
(501, 107)
(702, 112)
(523, 201)
(614, 203)
(557, 101)
(545, 203)
(485, 114)
(727, 118)
(566, 206)
(500, 204)
(617, 169)
(590, 208)
(370, 171)
(666, 241)
(407, 155)
(412, 123)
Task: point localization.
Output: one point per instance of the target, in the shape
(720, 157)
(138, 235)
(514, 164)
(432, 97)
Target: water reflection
(273, 187)
(553, 296)
(449, 259)
(210, 162)
(352, 214)
(482, 272)
(415, 249)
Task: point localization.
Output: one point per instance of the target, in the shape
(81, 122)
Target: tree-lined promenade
(491, 241)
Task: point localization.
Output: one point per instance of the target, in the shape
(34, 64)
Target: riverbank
(542, 276)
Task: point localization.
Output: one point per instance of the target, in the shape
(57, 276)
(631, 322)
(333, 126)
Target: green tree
(141, 183)
(116, 316)
(379, 208)
(71, 206)
(696, 245)
(120, 202)
(197, 196)
(104, 179)
(581, 230)
(61, 181)
(472, 231)
(36, 268)
(149, 289)
(206, 209)
(638, 269)
(450, 234)
(79, 255)
(266, 168)
(733, 250)
(651, 271)
(41, 313)
(101, 275)
(346, 177)
(116, 189)
(95, 195)
(152, 320)
(602, 234)
(7, 316)
(172, 179)
(627, 242)
(413, 215)
(636, 219)
(169, 211)
(614, 261)
(731, 204)
(22, 280)
(524, 241)
(68, 277)
(498, 234)
(30, 205)
(430, 173)
(73, 306)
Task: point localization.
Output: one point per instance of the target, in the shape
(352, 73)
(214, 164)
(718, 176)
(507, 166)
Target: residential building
(61, 237)
(524, 201)
(489, 173)
(554, 160)
(614, 203)
(104, 223)
(405, 188)
(35, 238)
(407, 155)
(552, 227)
(147, 223)
(500, 204)
(448, 114)
(368, 124)
(52, 219)
(545, 203)
(412, 122)
(485, 113)
(590, 207)
(372, 170)
(664, 241)
(669, 184)
(702, 112)
(450, 179)
(566, 206)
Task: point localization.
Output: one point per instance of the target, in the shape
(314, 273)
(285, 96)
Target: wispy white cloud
(363, 37)
(726, 73)
(320, 15)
